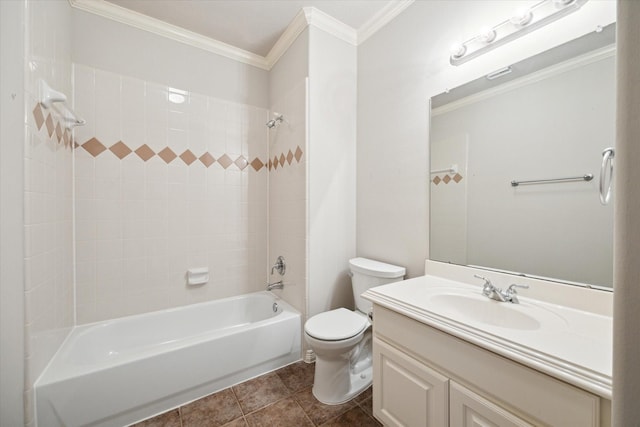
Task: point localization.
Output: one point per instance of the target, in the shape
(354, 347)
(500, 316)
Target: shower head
(275, 122)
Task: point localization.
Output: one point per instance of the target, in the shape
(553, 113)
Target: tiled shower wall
(48, 183)
(166, 180)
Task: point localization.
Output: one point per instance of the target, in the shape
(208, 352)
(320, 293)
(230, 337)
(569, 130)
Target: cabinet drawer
(533, 396)
(468, 409)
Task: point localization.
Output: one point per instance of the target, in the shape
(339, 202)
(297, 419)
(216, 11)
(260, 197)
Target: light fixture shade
(457, 50)
(487, 35)
(522, 17)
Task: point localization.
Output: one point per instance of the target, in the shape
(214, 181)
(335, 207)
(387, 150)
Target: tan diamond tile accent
(282, 159)
(188, 157)
(457, 178)
(38, 116)
(298, 154)
(75, 144)
(144, 152)
(167, 154)
(289, 157)
(120, 149)
(269, 164)
(275, 162)
(94, 147)
(241, 163)
(257, 164)
(436, 180)
(50, 125)
(66, 138)
(59, 133)
(225, 161)
(446, 179)
(207, 159)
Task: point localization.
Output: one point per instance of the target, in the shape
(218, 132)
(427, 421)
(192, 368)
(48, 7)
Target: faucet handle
(486, 281)
(512, 295)
(513, 286)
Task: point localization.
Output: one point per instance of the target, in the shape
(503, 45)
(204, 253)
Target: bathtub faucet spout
(275, 285)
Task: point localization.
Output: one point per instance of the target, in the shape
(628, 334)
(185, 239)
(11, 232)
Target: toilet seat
(336, 325)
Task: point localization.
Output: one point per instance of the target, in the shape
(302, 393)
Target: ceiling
(251, 25)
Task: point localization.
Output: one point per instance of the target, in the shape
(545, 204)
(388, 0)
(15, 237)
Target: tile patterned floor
(278, 399)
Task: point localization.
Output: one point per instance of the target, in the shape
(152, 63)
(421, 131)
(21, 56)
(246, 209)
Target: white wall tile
(108, 107)
(153, 220)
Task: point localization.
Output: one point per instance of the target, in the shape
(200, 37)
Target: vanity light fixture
(522, 22)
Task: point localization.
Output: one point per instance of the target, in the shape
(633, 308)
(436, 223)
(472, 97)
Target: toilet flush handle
(370, 315)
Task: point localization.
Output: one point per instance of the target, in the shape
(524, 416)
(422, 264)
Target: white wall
(12, 130)
(626, 298)
(399, 69)
(331, 174)
(119, 48)
(288, 182)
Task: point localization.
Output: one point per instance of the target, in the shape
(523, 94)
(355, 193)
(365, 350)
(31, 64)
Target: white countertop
(569, 344)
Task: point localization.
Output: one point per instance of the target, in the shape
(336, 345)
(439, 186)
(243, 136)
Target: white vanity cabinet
(424, 377)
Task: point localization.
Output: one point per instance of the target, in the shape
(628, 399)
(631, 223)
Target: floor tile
(297, 376)
(168, 419)
(353, 417)
(214, 410)
(240, 422)
(259, 392)
(319, 412)
(285, 413)
(367, 406)
(364, 395)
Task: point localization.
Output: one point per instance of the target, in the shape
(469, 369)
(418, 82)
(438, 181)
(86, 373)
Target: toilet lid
(335, 325)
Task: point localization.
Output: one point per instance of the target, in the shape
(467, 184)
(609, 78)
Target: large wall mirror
(544, 119)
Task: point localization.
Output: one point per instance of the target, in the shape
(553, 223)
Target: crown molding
(161, 28)
(382, 18)
(331, 25)
(305, 17)
(294, 29)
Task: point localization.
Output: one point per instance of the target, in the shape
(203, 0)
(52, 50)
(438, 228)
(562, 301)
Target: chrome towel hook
(607, 160)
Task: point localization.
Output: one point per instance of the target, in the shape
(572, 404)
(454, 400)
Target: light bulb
(458, 50)
(487, 35)
(522, 17)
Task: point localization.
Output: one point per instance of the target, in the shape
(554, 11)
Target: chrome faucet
(279, 266)
(497, 294)
(511, 293)
(275, 285)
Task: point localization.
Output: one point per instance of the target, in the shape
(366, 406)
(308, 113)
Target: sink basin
(482, 309)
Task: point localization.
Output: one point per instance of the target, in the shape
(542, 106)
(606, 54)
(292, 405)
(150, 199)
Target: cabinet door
(406, 392)
(469, 409)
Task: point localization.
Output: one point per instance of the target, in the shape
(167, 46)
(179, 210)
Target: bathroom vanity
(446, 355)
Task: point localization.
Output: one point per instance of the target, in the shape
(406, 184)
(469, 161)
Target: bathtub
(121, 371)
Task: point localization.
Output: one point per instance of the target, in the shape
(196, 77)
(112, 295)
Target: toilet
(341, 338)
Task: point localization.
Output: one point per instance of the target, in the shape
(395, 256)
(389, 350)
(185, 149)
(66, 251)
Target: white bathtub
(121, 371)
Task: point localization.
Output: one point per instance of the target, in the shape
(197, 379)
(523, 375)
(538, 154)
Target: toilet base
(358, 383)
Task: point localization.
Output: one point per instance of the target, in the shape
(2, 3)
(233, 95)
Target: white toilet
(341, 338)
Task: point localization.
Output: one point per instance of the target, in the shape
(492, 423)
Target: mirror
(546, 118)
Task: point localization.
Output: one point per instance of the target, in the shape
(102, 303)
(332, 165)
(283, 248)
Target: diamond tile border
(121, 150)
(447, 179)
(53, 127)
(61, 135)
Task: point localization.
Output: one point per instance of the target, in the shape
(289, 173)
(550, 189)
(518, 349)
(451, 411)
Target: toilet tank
(367, 273)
